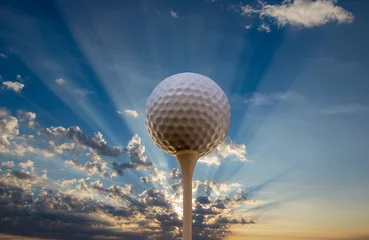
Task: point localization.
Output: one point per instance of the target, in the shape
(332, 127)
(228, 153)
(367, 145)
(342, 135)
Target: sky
(76, 159)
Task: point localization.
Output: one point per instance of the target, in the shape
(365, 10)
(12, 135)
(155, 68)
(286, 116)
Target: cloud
(131, 113)
(300, 13)
(60, 81)
(9, 128)
(3, 112)
(28, 118)
(144, 180)
(136, 151)
(27, 165)
(79, 92)
(8, 164)
(2, 55)
(227, 149)
(15, 86)
(74, 133)
(264, 28)
(174, 14)
(33, 205)
(345, 109)
(97, 142)
(81, 209)
(262, 99)
(175, 174)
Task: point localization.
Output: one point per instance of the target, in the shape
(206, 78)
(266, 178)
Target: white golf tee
(187, 160)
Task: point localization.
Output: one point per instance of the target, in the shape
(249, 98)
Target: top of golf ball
(187, 111)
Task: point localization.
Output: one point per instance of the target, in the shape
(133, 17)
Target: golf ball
(187, 111)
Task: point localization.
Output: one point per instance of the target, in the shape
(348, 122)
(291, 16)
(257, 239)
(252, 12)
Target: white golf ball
(187, 111)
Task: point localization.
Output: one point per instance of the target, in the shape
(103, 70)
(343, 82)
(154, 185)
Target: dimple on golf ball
(187, 111)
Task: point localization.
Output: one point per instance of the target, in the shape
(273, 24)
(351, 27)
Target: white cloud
(9, 128)
(227, 149)
(261, 99)
(174, 14)
(19, 77)
(27, 165)
(129, 112)
(60, 81)
(15, 86)
(264, 28)
(301, 13)
(8, 164)
(66, 183)
(2, 55)
(248, 27)
(345, 109)
(210, 159)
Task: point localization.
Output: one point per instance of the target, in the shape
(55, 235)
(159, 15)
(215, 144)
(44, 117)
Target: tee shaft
(187, 160)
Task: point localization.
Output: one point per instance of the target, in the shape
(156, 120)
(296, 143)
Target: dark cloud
(203, 200)
(74, 133)
(81, 210)
(175, 174)
(96, 142)
(144, 180)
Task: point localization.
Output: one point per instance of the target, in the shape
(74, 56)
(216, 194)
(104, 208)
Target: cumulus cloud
(28, 118)
(173, 14)
(300, 13)
(88, 208)
(60, 81)
(74, 133)
(15, 86)
(27, 165)
(175, 174)
(9, 128)
(97, 142)
(129, 112)
(227, 149)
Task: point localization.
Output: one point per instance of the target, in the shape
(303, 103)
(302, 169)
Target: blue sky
(75, 77)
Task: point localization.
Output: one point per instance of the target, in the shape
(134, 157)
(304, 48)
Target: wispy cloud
(264, 28)
(2, 55)
(299, 13)
(80, 92)
(345, 109)
(261, 99)
(174, 14)
(130, 112)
